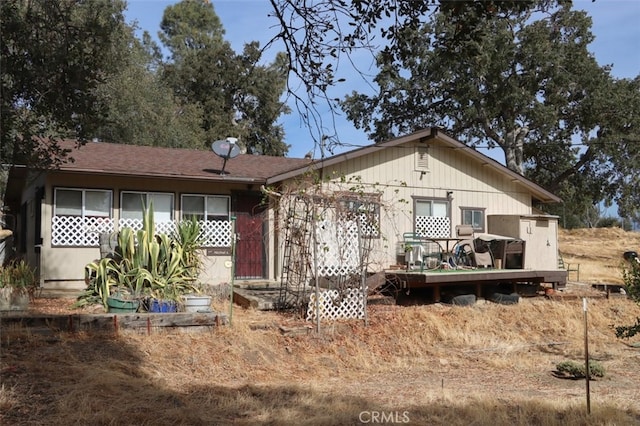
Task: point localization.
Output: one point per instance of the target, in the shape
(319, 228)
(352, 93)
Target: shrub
(577, 370)
(609, 222)
(19, 276)
(631, 277)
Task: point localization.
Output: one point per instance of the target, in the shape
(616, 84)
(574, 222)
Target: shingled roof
(135, 160)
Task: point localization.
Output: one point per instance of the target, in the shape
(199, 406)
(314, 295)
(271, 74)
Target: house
(61, 213)
(425, 182)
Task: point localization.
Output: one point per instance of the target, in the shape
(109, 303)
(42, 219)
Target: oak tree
(524, 82)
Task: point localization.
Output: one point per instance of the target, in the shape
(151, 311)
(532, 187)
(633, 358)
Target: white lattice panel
(433, 226)
(338, 247)
(166, 227)
(85, 232)
(216, 233)
(79, 231)
(368, 227)
(332, 306)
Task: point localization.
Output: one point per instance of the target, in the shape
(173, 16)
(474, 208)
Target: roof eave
(536, 190)
(214, 178)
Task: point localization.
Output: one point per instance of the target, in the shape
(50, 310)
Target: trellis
(332, 305)
(323, 241)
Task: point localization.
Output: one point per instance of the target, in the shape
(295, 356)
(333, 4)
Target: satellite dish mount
(226, 149)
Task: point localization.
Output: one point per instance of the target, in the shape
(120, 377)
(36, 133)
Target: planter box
(197, 303)
(13, 300)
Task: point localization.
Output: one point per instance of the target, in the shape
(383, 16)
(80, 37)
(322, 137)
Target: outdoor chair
(420, 252)
(569, 267)
(471, 252)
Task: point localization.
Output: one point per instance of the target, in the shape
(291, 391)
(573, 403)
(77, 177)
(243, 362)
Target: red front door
(250, 244)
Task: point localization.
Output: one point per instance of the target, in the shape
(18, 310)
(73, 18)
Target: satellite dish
(226, 149)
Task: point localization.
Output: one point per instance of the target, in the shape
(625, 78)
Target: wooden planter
(12, 299)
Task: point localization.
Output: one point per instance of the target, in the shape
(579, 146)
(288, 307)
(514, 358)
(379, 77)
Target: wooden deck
(479, 279)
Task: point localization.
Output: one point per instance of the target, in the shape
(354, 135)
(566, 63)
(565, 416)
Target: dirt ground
(435, 364)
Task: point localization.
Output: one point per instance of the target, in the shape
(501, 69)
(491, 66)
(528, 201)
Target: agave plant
(145, 264)
(189, 235)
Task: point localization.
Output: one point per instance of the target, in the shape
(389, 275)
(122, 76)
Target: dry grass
(598, 251)
(433, 364)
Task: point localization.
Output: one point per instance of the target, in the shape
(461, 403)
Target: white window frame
(83, 208)
(80, 230)
(474, 210)
(215, 230)
(206, 215)
(146, 201)
(438, 225)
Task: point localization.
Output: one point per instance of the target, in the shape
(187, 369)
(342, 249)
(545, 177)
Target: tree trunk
(513, 148)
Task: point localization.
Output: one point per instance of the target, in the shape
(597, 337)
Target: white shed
(539, 232)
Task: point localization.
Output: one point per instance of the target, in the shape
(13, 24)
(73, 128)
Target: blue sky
(616, 25)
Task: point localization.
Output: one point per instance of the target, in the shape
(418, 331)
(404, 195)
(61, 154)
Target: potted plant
(18, 281)
(145, 267)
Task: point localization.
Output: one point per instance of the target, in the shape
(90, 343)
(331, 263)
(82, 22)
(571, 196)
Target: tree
(238, 96)
(55, 54)
(141, 109)
(525, 82)
(318, 36)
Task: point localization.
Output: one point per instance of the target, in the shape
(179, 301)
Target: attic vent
(422, 158)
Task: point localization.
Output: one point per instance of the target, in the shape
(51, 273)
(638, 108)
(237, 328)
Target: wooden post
(315, 269)
(586, 355)
(234, 238)
(436, 293)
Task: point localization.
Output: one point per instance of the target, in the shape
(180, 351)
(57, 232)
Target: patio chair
(470, 251)
(420, 252)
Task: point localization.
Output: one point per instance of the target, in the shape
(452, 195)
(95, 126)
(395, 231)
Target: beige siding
(63, 267)
(540, 234)
(392, 171)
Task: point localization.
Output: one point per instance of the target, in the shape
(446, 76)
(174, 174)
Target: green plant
(577, 370)
(188, 235)
(18, 275)
(144, 265)
(631, 277)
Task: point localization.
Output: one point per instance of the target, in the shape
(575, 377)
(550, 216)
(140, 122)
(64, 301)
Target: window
(205, 207)
(367, 208)
(473, 216)
(133, 203)
(432, 208)
(432, 218)
(80, 216)
(82, 202)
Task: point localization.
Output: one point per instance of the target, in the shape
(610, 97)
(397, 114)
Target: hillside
(427, 364)
(598, 251)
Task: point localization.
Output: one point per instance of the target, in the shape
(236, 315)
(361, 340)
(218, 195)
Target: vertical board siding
(392, 172)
